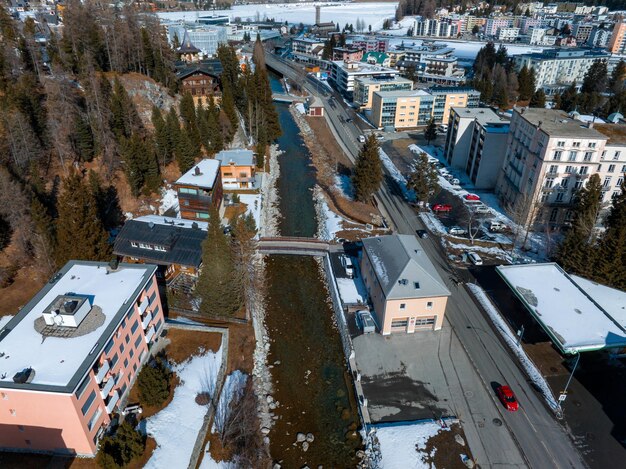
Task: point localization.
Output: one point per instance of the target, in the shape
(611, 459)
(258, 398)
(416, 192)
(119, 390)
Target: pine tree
(424, 179)
(538, 99)
(186, 152)
(83, 139)
(611, 260)
(596, 78)
(618, 76)
(430, 132)
(219, 284)
(577, 252)
(216, 140)
(162, 142)
(526, 85)
(368, 172)
(45, 234)
(173, 132)
(107, 201)
(80, 233)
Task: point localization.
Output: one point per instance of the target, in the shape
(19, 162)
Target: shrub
(154, 382)
(120, 449)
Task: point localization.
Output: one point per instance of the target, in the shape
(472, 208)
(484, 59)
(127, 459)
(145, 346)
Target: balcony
(146, 320)
(144, 305)
(150, 334)
(104, 392)
(102, 371)
(110, 403)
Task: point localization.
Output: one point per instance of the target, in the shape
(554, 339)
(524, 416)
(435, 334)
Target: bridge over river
(297, 246)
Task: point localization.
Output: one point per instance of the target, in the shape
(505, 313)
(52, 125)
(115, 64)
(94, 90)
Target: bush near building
(120, 449)
(154, 382)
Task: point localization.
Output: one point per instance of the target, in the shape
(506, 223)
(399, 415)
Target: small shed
(315, 108)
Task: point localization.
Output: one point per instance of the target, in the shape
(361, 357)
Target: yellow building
(412, 108)
(365, 87)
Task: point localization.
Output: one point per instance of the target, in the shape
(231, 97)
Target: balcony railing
(150, 334)
(102, 371)
(113, 398)
(144, 305)
(104, 392)
(146, 321)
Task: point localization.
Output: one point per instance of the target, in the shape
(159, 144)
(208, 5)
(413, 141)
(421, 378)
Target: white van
(474, 258)
(496, 226)
(443, 128)
(348, 265)
(362, 138)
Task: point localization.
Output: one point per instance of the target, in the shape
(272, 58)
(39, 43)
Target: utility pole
(563, 394)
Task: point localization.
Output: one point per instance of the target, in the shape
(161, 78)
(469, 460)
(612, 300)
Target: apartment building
(550, 156)
(495, 23)
(507, 34)
(71, 355)
(617, 43)
(582, 32)
(407, 293)
(238, 168)
(368, 43)
(365, 87)
(556, 69)
(433, 63)
(408, 109)
(476, 142)
(344, 74)
(199, 189)
(308, 50)
(206, 38)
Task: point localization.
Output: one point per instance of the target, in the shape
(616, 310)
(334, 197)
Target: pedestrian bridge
(287, 98)
(294, 246)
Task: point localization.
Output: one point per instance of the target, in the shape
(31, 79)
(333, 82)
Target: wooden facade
(195, 202)
(201, 84)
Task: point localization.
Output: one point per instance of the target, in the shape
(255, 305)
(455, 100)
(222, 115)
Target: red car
(507, 398)
(442, 208)
(471, 197)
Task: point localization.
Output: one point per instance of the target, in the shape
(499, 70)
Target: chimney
(317, 14)
(196, 171)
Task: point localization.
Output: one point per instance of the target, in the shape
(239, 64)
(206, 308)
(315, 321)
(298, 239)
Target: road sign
(562, 397)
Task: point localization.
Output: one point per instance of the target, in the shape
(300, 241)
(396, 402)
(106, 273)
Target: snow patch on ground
(344, 184)
(253, 202)
(402, 446)
(169, 200)
(268, 221)
(232, 390)
(433, 223)
(300, 108)
(176, 427)
(328, 222)
(493, 251)
(396, 175)
(511, 339)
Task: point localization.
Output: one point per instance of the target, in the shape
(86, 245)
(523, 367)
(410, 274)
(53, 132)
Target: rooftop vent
(25, 376)
(416, 285)
(194, 225)
(67, 310)
(196, 171)
(403, 281)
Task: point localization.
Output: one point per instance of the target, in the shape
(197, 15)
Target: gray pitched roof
(403, 268)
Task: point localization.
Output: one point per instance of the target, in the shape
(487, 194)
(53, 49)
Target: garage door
(399, 325)
(425, 323)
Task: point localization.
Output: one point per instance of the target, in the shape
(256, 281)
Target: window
(624, 169)
(153, 297)
(564, 183)
(125, 362)
(619, 182)
(549, 183)
(607, 181)
(588, 156)
(429, 305)
(114, 360)
(559, 197)
(400, 323)
(134, 366)
(82, 387)
(553, 214)
(576, 144)
(572, 155)
(611, 168)
(127, 338)
(133, 244)
(185, 190)
(424, 322)
(88, 402)
(203, 215)
(94, 418)
(131, 353)
(583, 169)
(402, 305)
(560, 144)
(158, 325)
(134, 327)
(569, 170)
(603, 153)
(616, 155)
(553, 169)
(592, 144)
(121, 348)
(557, 155)
(20, 428)
(108, 346)
(137, 342)
(578, 185)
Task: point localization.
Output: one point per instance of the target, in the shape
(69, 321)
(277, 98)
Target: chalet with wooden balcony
(237, 168)
(200, 79)
(199, 189)
(173, 244)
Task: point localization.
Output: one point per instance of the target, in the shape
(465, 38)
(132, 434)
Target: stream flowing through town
(310, 377)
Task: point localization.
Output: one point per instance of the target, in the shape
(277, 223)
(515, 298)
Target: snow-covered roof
(171, 221)
(237, 157)
(403, 268)
(577, 314)
(202, 174)
(61, 362)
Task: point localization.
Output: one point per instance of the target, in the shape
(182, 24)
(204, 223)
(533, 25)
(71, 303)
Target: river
(311, 380)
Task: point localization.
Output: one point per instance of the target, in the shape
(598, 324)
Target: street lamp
(563, 394)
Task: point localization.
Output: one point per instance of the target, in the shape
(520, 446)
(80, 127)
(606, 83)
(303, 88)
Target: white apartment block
(550, 156)
(343, 74)
(476, 143)
(560, 66)
(493, 24)
(507, 34)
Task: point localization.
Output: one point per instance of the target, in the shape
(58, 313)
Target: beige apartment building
(365, 87)
(412, 108)
(550, 156)
(617, 42)
(405, 290)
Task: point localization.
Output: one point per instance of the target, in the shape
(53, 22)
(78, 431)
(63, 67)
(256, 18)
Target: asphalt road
(540, 438)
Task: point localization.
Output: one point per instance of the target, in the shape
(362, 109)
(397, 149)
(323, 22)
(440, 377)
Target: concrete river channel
(311, 381)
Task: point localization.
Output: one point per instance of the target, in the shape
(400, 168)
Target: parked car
(442, 208)
(362, 138)
(132, 409)
(443, 128)
(456, 230)
(471, 197)
(422, 234)
(474, 258)
(365, 321)
(349, 119)
(380, 137)
(347, 264)
(496, 226)
(482, 208)
(506, 396)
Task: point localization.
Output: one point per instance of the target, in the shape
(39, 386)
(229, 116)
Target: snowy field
(511, 339)
(176, 427)
(402, 446)
(169, 199)
(373, 14)
(328, 222)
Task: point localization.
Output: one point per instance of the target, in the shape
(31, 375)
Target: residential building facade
(365, 87)
(551, 156)
(476, 142)
(237, 168)
(344, 74)
(405, 290)
(71, 355)
(408, 109)
(617, 43)
(200, 79)
(199, 189)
